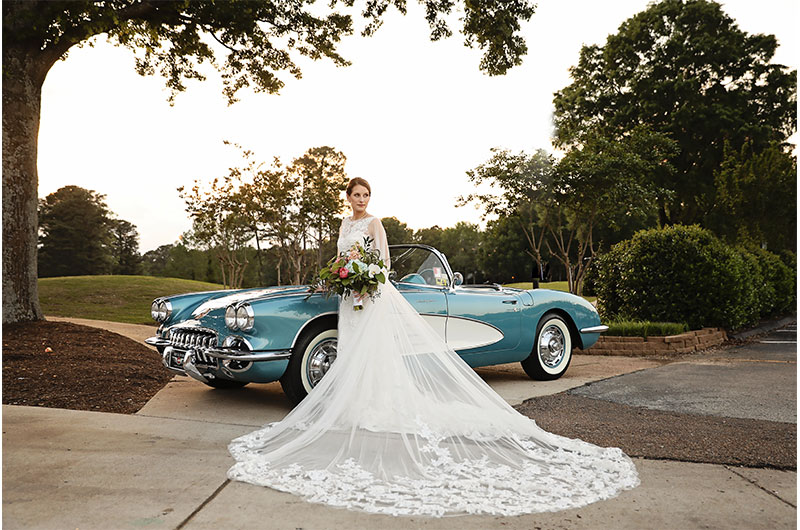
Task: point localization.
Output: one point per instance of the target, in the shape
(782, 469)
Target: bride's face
(358, 199)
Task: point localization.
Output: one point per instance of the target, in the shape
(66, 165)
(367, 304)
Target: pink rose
(343, 273)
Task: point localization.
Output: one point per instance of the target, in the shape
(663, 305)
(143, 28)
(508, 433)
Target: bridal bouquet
(355, 272)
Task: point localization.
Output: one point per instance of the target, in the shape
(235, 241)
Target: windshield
(419, 266)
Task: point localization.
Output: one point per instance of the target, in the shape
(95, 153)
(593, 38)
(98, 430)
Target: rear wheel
(552, 351)
(312, 357)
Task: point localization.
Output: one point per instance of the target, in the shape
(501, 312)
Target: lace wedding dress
(401, 425)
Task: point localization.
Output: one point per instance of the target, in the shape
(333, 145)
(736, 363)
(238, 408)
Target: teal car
(227, 339)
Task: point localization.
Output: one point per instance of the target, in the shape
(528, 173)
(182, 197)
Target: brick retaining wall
(684, 343)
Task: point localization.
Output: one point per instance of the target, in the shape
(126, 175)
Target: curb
(763, 327)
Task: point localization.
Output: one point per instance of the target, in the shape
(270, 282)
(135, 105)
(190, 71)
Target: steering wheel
(428, 275)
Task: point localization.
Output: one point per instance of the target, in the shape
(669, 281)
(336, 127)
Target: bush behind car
(686, 274)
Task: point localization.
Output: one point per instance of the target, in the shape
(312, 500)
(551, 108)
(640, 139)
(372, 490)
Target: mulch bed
(666, 435)
(62, 365)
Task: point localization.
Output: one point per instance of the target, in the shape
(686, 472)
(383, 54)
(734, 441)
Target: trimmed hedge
(638, 328)
(685, 274)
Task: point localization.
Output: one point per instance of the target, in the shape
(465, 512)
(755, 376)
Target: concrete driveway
(165, 466)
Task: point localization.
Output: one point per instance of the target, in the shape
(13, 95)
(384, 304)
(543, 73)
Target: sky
(411, 115)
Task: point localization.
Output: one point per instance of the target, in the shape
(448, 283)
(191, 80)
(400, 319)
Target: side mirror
(392, 276)
(458, 279)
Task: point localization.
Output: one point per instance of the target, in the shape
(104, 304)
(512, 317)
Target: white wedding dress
(401, 425)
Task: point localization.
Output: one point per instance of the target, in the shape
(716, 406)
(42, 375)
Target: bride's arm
(378, 235)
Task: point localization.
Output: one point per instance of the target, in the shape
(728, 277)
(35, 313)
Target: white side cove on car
(463, 333)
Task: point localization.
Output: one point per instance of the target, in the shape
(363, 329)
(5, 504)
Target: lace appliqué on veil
(547, 481)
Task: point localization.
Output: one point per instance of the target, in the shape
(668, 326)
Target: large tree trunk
(23, 75)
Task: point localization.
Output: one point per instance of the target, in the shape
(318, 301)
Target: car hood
(246, 296)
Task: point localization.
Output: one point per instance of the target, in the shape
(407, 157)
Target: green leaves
(688, 72)
(78, 235)
(686, 274)
(253, 44)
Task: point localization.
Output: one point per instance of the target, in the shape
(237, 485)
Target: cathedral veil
(401, 425)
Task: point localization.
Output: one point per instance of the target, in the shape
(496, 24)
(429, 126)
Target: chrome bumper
(595, 329)
(195, 360)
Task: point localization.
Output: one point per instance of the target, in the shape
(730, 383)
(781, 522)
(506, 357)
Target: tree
(74, 233)
(504, 257)
(256, 39)
(429, 236)
(684, 68)
(124, 247)
(322, 180)
(524, 184)
(219, 225)
(397, 232)
(603, 179)
(273, 205)
(757, 198)
(461, 244)
(154, 262)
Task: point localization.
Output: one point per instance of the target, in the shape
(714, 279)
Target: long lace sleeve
(378, 234)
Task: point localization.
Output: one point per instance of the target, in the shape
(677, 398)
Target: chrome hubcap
(551, 346)
(320, 360)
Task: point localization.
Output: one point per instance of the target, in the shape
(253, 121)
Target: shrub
(777, 282)
(761, 298)
(638, 328)
(677, 274)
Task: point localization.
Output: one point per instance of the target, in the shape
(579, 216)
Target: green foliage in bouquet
(359, 270)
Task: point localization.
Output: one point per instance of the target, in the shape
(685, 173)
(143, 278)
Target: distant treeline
(496, 254)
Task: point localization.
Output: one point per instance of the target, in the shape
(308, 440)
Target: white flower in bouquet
(373, 270)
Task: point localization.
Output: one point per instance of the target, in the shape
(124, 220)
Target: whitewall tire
(312, 357)
(552, 350)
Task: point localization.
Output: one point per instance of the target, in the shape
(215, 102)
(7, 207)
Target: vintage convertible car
(228, 339)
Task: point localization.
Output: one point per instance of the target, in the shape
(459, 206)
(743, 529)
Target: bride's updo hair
(358, 181)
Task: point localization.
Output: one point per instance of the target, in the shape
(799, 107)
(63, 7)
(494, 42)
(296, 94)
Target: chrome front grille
(187, 339)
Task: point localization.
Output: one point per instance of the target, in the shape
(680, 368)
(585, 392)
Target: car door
(483, 319)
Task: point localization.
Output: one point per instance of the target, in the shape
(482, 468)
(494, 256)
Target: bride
(401, 425)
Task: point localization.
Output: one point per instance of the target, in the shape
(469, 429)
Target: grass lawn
(128, 298)
(556, 286)
(115, 298)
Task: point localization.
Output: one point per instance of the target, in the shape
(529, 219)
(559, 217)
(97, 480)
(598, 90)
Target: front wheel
(312, 357)
(552, 351)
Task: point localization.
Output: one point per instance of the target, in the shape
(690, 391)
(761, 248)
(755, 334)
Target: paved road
(757, 380)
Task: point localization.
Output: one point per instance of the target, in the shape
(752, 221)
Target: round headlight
(230, 317)
(167, 309)
(245, 317)
(154, 311)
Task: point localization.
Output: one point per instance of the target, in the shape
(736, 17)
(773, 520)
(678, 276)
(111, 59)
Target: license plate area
(176, 356)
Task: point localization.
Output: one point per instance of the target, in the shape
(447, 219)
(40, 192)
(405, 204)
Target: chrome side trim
(595, 329)
(236, 355)
(478, 321)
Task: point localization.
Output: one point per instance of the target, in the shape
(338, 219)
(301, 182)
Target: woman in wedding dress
(401, 425)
